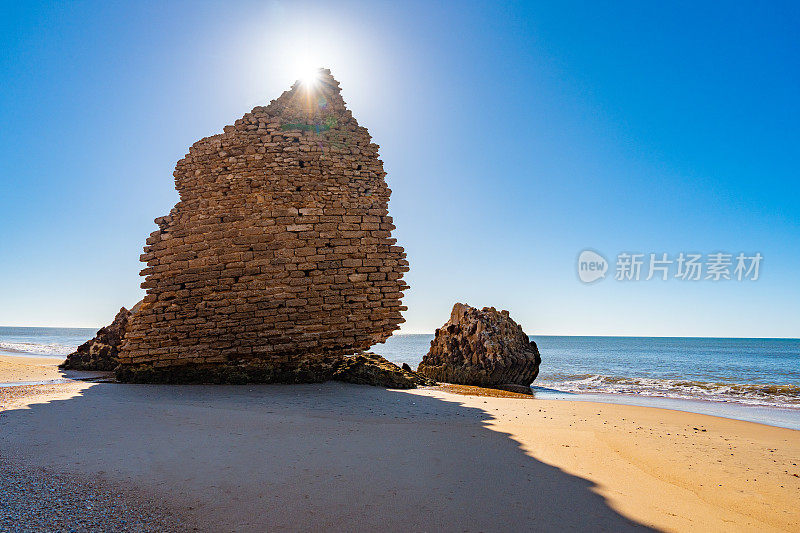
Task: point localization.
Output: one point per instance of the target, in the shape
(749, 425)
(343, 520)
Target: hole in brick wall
(298, 188)
(359, 167)
(302, 164)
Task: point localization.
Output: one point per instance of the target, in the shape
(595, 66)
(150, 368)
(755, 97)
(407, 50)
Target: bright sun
(308, 72)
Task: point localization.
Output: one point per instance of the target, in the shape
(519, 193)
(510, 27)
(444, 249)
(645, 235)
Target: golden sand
(22, 368)
(671, 470)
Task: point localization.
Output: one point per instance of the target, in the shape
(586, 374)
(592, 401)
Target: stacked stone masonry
(279, 254)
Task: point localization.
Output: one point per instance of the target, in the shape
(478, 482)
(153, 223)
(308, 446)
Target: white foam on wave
(772, 395)
(34, 348)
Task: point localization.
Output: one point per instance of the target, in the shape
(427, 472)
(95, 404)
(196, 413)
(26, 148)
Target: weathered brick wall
(279, 253)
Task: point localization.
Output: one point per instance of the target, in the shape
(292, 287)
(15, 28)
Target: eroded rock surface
(481, 347)
(101, 352)
(372, 369)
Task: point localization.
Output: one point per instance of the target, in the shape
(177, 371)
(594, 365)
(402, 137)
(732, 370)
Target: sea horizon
(92, 328)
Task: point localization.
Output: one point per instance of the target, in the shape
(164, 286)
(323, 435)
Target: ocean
(748, 379)
(751, 371)
(42, 341)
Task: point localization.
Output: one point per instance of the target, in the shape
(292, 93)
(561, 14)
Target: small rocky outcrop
(101, 352)
(372, 369)
(482, 347)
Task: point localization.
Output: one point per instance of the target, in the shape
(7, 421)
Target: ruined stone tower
(278, 259)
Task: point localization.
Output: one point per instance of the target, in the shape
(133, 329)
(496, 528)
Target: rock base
(372, 369)
(230, 373)
(364, 368)
(519, 389)
(478, 376)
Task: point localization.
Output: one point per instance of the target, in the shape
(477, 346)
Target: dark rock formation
(364, 368)
(278, 259)
(481, 347)
(245, 372)
(372, 369)
(101, 352)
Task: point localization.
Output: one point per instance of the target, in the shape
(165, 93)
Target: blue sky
(515, 135)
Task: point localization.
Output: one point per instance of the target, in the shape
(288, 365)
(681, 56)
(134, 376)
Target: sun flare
(308, 72)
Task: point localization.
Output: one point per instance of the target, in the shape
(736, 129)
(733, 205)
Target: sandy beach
(15, 369)
(465, 267)
(349, 457)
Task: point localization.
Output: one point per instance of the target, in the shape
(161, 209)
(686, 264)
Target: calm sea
(751, 379)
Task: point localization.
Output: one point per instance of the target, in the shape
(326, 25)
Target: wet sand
(347, 457)
(17, 369)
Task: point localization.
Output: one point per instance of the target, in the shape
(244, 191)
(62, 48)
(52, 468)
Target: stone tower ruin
(278, 259)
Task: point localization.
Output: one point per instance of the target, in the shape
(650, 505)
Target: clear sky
(515, 136)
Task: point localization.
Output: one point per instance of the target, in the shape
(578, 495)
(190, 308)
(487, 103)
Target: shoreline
(31, 370)
(768, 415)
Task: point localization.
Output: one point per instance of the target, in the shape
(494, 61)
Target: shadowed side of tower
(278, 259)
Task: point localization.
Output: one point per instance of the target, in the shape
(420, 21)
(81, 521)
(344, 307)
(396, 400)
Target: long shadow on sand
(306, 457)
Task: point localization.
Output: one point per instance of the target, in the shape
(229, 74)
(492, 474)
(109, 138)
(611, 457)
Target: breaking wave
(33, 348)
(773, 395)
